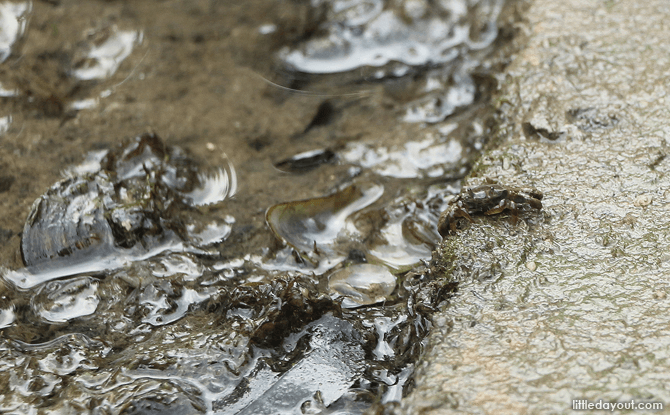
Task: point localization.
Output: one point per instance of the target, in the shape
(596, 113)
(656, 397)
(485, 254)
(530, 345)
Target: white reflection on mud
(104, 56)
(376, 32)
(7, 317)
(162, 309)
(215, 186)
(429, 157)
(8, 93)
(13, 23)
(5, 122)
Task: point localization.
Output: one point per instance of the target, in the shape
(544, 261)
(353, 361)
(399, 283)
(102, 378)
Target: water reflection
(7, 317)
(60, 301)
(430, 157)
(445, 93)
(5, 123)
(407, 237)
(376, 32)
(361, 284)
(320, 229)
(7, 93)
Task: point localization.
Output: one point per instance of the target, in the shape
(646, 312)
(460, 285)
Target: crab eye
(498, 192)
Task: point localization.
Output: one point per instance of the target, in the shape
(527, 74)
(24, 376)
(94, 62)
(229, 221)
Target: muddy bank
(572, 303)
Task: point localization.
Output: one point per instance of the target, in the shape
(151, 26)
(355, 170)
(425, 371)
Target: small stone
(531, 265)
(210, 146)
(643, 200)
(660, 295)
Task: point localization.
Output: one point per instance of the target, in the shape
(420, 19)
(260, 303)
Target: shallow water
(267, 252)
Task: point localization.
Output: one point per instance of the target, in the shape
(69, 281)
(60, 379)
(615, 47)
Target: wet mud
(231, 207)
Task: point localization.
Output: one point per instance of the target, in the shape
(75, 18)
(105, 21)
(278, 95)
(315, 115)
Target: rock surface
(574, 304)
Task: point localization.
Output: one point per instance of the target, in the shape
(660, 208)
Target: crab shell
(489, 199)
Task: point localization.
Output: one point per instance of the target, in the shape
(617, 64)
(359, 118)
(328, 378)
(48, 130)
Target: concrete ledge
(572, 303)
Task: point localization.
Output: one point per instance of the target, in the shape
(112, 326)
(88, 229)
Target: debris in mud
(318, 353)
(277, 308)
(324, 115)
(304, 162)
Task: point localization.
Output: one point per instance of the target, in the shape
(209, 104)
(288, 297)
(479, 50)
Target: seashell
(66, 220)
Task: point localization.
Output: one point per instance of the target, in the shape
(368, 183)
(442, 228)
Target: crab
(488, 199)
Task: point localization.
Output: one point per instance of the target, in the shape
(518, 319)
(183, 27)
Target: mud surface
(571, 304)
(214, 223)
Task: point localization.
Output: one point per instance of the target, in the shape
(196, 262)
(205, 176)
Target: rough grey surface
(572, 303)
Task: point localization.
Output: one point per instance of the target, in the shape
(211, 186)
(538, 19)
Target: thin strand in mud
(358, 94)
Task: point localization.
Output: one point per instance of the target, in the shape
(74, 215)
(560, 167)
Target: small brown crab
(489, 199)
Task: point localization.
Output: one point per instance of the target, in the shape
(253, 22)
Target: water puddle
(58, 302)
(319, 228)
(287, 274)
(361, 284)
(375, 33)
